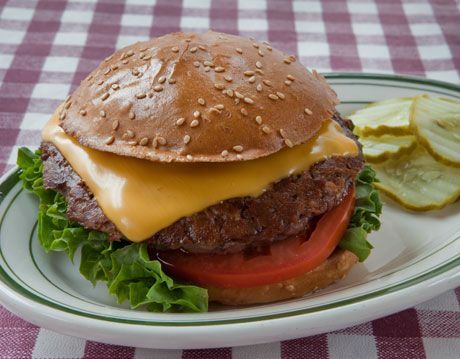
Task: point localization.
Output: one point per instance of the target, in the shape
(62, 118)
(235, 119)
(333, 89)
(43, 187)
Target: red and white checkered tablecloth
(48, 46)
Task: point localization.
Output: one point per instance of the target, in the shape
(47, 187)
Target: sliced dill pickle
(379, 149)
(384, 117)
(436, 123)
(417, 181)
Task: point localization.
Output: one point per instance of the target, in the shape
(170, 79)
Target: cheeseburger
(203, 166)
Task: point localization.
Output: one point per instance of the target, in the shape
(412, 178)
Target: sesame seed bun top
(209, 97)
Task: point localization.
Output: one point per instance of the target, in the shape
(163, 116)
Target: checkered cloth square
(48, 46)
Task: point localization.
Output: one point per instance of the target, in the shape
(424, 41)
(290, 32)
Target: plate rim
(10, 179)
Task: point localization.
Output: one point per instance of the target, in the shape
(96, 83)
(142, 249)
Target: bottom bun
(335, 267)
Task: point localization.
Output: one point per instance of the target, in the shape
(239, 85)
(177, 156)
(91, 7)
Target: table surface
(47, 47)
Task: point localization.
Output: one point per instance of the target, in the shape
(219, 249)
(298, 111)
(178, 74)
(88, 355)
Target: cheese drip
(142, 197)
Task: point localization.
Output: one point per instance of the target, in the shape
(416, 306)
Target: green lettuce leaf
(125, 267)
(365, 218)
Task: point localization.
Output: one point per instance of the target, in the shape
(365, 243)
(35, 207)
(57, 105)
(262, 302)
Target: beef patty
(289, 207)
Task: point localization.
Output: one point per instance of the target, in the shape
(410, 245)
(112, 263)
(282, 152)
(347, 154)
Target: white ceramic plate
(416, 257)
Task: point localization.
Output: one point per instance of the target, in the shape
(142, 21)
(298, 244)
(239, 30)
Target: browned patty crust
(289, 207)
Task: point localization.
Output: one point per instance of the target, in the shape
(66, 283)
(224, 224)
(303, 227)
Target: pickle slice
(384, 117)
(436, 123)
(379, 149)
(418, 182)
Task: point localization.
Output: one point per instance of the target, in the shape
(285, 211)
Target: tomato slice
(284, 260)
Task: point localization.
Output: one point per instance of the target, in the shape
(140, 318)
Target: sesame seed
(201, 101)
(283, 133)
(180, 121)
(129, 134)
(189, 157)
(150, 94)
(144, 141)
(196, 63)
(249, 73)
(208, 63)
(135, 72)
(158, 88)
(83, 112)
(239, 95)
(239, 157)
(266, 129)
(219, 106)
(219, 69)
(308, 111)
(102, 113)
(107, 71)
(288, 142)
(143, 49)
(238, 50)
(214, 110)
(194, 123)
(187, 139)
(219, 86)
(132, 143)
(290, 77)
(172, 81)
(108, 58)
(224, 153)
(130, 53)
(244, 112)
(193, 49)
(124, 62)
(140, 96)
(267, 82)
(238, 148)
(237, 101)
(266, 43)
(258, 120)
(154, 143)
(67, 105)
(115, 124)
(259, 87)
(258, 64)
(132, 115)
(197, 114)
(115, 86)
(255, 45)
(147, 58)
(248, 100)
(228, 78)
(105, 96)
(62, 116)
(201, 47)
(207, 69)
(114, 67)
(230, 93)
(161, 140)
(161, 79)
(110, 140)
(287, 82)
(175, 49)
(252, 79)
(100, 82)
(269, 48)
(287, 61)
(272, 96)
(281, 95)
(261, 53)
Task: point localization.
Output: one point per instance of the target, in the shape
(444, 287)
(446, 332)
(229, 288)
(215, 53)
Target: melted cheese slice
(142, 197)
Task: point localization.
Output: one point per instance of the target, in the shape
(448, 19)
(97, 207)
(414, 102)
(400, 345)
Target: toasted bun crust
(334, 268)
(209, 97)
